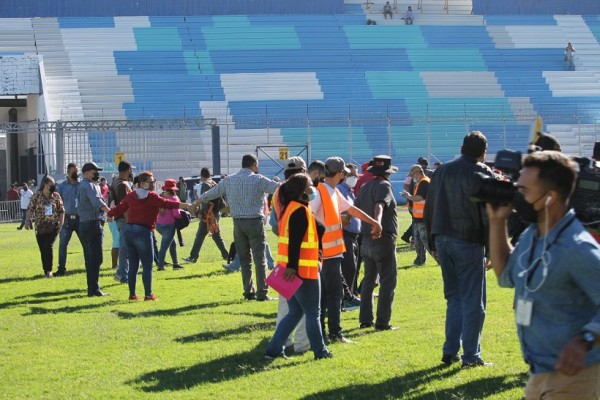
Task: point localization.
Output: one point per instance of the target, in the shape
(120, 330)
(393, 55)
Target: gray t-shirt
(379, 191)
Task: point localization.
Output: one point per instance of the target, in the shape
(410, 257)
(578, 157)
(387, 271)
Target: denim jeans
(379, 257)
(332, 293)
(250, 242)
(349, 263)
(167, 232)
(91, 235)
(420, 238)
(201, 235)
(305, 302)
(123, 269)
(300, 341)
(46, 245)
(141, 249)
(463, 272)
(71, 225)
(23, 217)
(234, 266)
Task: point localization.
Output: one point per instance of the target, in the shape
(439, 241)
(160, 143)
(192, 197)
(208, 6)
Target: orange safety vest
(333, 238)
(419, 206)
(308, 264)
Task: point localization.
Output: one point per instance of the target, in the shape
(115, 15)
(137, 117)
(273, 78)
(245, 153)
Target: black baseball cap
(91, 166)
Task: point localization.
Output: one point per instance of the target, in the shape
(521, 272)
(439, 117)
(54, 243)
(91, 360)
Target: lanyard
(531, 270)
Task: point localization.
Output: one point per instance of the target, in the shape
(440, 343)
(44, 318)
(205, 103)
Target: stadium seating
(330, 82)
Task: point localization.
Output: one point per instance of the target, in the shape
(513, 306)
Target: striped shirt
(245, 192)
(90, 201)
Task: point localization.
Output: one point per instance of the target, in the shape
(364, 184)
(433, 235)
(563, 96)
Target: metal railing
(10, 211)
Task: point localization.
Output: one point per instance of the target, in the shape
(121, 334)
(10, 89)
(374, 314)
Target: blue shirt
(90, 201)
(245, 192)
(354, 226)
(69, 192)
(568, 299)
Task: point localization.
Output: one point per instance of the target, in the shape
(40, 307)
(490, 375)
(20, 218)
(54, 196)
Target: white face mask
(351, 181)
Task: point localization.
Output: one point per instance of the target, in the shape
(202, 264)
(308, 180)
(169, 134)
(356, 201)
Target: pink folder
(283, 287)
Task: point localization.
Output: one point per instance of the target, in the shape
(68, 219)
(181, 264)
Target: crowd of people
(330, 219)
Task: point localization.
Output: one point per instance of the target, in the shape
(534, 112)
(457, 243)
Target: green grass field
(202, 341)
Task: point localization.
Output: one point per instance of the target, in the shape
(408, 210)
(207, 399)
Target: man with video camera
(555, 270)
(456, 231)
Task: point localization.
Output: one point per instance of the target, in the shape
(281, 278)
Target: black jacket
(448, 210)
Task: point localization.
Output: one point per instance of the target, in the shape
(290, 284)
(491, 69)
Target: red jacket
(142, 212)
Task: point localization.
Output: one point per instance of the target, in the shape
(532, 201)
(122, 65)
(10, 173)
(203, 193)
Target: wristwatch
(589, 338)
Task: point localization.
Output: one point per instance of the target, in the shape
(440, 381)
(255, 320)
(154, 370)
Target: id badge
(524, 309)
(48, 210)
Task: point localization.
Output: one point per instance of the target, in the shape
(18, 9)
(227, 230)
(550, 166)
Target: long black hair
(293, 189)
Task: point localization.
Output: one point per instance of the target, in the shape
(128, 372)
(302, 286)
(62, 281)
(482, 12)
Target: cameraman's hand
(497, 212)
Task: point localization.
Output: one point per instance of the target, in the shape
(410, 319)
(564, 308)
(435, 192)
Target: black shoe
(60, 272)
(477, 363)
(19, 228)
(450, 358)
(251, 296)
(177, 266)
(266, 298)
(365, 325)
(339, 339)
(97, 293)
(324, 355)
(160, 268)
(269, 357)
(386, 328)
(190, 260)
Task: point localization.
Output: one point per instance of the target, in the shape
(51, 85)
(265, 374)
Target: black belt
(352, 234)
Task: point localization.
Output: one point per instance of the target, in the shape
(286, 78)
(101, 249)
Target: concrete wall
(536, 7)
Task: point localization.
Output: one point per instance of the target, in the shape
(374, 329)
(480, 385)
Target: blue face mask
(312, 196)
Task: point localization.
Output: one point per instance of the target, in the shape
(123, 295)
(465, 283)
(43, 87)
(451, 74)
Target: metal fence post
(60, 148)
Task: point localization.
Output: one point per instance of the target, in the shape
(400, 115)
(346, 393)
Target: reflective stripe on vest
(308, 263)
(333, 238)
(419, 206)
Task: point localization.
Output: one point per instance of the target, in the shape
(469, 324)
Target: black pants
(46, 245)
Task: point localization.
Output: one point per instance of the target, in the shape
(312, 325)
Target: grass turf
(200, 340)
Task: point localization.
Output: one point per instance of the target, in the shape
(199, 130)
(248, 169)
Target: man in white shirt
(25, 195)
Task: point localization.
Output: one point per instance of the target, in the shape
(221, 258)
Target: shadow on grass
(227, 333)
(226, 368)
(41, 298)
(197, 276)
(68, 309)
(173, 311)
(414, 386)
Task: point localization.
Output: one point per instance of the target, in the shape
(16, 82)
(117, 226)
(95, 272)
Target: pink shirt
(168, 217)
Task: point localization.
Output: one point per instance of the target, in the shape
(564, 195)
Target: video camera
(585, 199)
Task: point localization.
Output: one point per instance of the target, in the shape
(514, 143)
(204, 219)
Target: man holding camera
(456, 233)
(555, 270)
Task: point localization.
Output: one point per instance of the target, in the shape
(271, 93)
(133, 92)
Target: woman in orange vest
(298, 252)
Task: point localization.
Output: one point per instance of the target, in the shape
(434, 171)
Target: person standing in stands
(91, 208)
(377, 200)
(206, 183)
(387, 10)
(457, 238)
(570, 57)
(327, 208)
(245, 193)
(143, 205)
(69, 191)
(408, 16)
(418, 198)
(25, 195)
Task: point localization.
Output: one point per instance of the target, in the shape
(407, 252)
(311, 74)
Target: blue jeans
(250, 241)
(23, 217)
(71, 225)
(306, 301)
(201, 235)
(167, 232)
(463, 272)
(332, 293)
(123, 269)
(91, 235)
(379, 257)
(141, 249)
